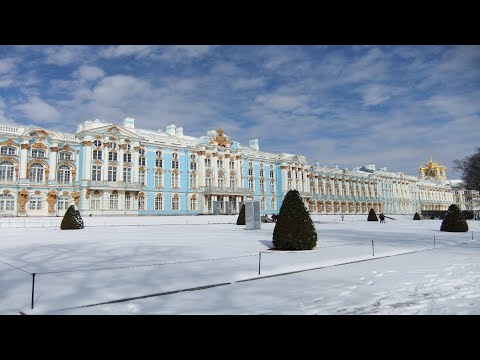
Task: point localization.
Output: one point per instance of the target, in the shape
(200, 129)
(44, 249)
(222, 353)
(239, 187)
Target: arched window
(232, 182)
(262, 203)
(193, 180)
(208, 181)
(7, 202)
(272, 203)
(158, 153)
(175, 202)
(127, 174)
(36, 173)
(159, 163)
(159, 202)
(7, 150)
(193, 203)
(64, 175)
(6, 171)
(35, 202)
(65, 155)
(158, 179)
(174, 180)
(141, 203)
(97, 143)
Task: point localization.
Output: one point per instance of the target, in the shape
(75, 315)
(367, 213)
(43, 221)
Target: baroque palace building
(111, 169)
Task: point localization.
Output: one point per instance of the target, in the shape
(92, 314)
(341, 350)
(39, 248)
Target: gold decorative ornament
(106, 144)
(87, 194)
(40, 134)
(115, 192)
(39, 145)
(122, 146)
(114, 130)
(25, 146)
(6, 191)
(8, 142)
(220, 139)
(66, 148)
(37, 192)
(54, 148)
(87, 143)
(65, 193)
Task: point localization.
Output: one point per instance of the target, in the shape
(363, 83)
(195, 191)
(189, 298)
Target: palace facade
(111, 169)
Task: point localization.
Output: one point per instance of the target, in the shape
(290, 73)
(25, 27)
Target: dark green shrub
(468, 214)
(294, 229)
(372, 216)
(416, 216)
(241, 216)
(454, 220)
(72, 219)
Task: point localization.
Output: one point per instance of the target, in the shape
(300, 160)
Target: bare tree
(470, 167)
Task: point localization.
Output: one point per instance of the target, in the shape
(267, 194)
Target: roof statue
(220, 139)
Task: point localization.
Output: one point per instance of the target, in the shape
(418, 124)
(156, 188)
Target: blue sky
(391, 106)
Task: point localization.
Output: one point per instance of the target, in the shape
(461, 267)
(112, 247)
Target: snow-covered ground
(407, 275)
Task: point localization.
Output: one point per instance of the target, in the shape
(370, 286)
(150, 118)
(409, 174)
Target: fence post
(472, 235)
(434, 241)
(373, 249)
(33, 286)
(259, 261)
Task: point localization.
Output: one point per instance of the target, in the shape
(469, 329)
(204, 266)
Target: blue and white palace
(111, 169)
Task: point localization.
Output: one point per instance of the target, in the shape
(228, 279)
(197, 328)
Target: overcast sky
(391, 106)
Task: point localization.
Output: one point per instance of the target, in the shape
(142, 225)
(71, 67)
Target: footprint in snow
(370, 283)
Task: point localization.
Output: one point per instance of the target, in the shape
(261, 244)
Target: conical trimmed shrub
(372, 216)
(454, 220)
(72, 219)
(294, 229)
(241, 216)
(416, 216)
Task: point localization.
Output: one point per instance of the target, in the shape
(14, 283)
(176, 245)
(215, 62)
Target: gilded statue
(22, 200)
(51, 200)
(76, 197)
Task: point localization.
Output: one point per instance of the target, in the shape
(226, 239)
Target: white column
(87, 161)
(201, 171)
(24, 160)
(120, 165)
(53, 162)
(105, 163)
(135, 167)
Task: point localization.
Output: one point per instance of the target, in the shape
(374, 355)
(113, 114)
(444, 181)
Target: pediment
(112, 130)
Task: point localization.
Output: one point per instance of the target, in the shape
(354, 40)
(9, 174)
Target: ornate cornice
(25, 146)
(9, 142)
(39, 145)
(54, 149)
(87, 143)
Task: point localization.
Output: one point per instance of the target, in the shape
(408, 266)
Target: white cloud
(281, 102)
(6, 65)
(65, 54)
(119, 90)
(88, 73)
(138, 51)
(179, 52)
(247, 84)
(37, 110)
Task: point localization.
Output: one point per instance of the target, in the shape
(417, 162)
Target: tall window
(127, 174)
(141, 161)
(232, 182)
(36, 173)
(95, 202)
(193, 203)
(193, 166)
(63, 202)
(174, 180)
(250, 184)
(250, 171)
(208, 162)
(261, 172)
(159, 163)
(262, 186)
(158, 179)
(112, 173)
(262, 203)
(208, 181)
(35, 202)
(96, 172)
(127, 158)
(220, 181)
(64, 175)
(112, 156)
(97, 154)
(65, 155)
(193, 181)
(141, 177)
(272, 203)
(232, 165)
(159, 202)
(174, 164)
(114, 201)
(128, 202)
(7, 202)
(6, 171)
(219, 163)
(97, 143)
(272, 186)
(38, 153)
(175, 203)
(271, 173)
(141, 203)
(5, 150)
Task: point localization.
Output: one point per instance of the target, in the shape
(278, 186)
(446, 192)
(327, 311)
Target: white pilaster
(23, 160)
